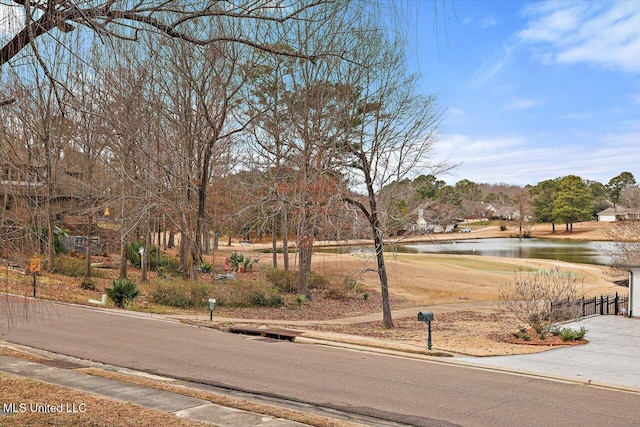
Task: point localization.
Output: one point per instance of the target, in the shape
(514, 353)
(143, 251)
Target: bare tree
(531, 296)
(522, 201)
(120, 19)
(390, 131)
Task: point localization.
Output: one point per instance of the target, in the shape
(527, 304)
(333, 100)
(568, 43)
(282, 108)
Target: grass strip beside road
(230, 402)
(79, 408)
(101, 411)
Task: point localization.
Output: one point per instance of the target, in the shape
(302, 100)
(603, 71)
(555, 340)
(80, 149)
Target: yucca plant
(122, 292)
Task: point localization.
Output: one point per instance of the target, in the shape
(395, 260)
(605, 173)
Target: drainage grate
(62, 364)
(278, 334)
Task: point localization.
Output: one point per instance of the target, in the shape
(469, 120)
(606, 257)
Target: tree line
(207, 119)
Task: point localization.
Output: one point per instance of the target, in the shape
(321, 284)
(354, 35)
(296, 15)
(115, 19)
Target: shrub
(338, 291)
(241, 293)
(262, 300)
(205, 267)
(568, 334)
(236, 260)
(70, 266)
(529, 298)
(180, 294)
(88, 285)
(522, 334)
(153, 255)
(122, 292)
(248, 263)
(351, 283)
(284, 280)
(74, 267)
(317, 281)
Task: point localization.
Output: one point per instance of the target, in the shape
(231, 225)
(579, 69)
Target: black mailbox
(427, 316)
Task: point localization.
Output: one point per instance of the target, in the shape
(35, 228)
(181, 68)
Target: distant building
(619, 213)
(79, 244)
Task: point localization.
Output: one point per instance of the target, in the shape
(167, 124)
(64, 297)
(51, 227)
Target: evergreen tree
(573, 201)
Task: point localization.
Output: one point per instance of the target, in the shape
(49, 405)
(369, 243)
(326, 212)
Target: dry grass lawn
(460, 290)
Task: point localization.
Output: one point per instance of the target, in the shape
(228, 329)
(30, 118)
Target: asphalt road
(410, 391)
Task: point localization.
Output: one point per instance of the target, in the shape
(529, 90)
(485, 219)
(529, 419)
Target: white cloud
(604, 34)
(576, 116)
(487, 21)
(521, 104)
(489, 68)
(520, 161)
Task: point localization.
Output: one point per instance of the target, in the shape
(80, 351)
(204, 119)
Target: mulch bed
(549, 341)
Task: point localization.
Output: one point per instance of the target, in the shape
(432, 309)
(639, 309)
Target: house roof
(619, 210)
(608, 211)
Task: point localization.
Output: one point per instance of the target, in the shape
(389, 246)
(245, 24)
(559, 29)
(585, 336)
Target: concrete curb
(166, 401)
(463, 363)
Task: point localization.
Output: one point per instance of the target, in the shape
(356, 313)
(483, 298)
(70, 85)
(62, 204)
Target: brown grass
(448, 285)
(98, 411)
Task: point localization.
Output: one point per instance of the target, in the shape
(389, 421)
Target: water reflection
(579, 251)
(585, 252)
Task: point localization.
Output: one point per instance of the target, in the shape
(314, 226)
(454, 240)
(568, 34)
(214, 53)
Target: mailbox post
(426, 317)
(212, 306)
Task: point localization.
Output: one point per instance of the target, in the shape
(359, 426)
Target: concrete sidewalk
(180, 405)
(610, 358)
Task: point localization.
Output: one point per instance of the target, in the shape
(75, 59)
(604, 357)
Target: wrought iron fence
(602, 305)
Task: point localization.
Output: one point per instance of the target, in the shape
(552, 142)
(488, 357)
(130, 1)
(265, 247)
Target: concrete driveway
(611, 357)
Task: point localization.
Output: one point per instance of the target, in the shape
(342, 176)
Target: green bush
(122, 292)
(74, 267)
(241, 293)
(180, 294)
(262, 300)
(236, 260)
(153, 255)
(568, 334)
(284, 280)
(205, 267)
(70, 266)
(522, 334)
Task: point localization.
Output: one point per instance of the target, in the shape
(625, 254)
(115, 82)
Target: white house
(618, 213)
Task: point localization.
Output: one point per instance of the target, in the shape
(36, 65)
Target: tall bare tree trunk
(87, 265)
(274, 240)
(285, 238)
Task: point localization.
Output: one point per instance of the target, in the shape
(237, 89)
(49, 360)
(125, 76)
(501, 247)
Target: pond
(579, 251)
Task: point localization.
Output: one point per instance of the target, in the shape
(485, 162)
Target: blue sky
(533, 90)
